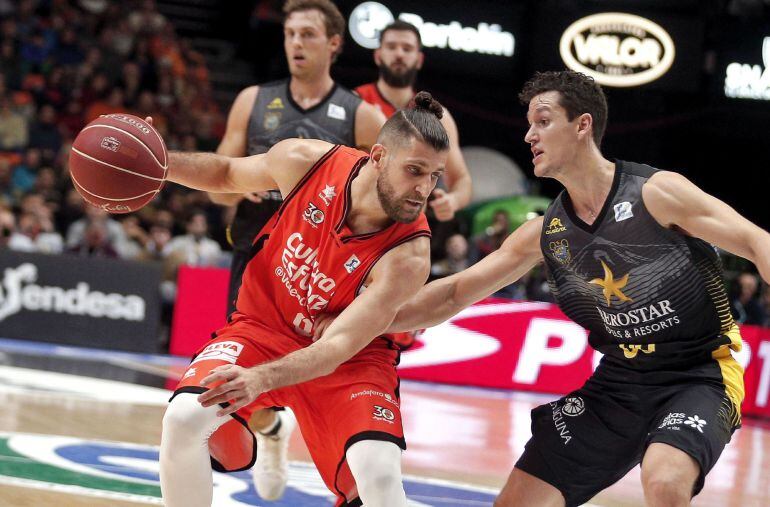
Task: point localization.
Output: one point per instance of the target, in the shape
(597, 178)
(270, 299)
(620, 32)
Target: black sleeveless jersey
(275, 117)
(651, 297)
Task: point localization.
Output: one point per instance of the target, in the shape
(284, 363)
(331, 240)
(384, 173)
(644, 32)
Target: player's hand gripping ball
(118, 162)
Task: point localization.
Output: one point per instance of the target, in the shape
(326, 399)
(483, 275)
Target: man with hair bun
(310, 105)
(350, 238)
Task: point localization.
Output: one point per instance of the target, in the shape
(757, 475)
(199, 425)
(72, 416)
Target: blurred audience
(746, 305)
(456, 258)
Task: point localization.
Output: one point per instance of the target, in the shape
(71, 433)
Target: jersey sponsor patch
(352, 263)
(313, 215)
(623, 211)
(220, 351)
(276, 103)
(555, 226)
(336, 112)
(327, 194)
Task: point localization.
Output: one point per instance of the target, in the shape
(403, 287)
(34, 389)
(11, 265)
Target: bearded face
(399, 58)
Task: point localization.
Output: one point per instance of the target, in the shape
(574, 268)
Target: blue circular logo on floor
(122, 471)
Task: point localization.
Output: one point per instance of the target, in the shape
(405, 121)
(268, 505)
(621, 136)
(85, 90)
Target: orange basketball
(118, 163)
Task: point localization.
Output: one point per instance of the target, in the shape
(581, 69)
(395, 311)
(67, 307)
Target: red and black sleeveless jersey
(371, 94)
(306, 260)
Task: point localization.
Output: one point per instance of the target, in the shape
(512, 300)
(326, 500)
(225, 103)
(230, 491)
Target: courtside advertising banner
(521, 345)
(101, 303)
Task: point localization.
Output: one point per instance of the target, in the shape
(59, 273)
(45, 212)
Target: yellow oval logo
(617, 49)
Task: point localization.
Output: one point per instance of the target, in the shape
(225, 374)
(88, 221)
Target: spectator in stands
(46, 184)
(765, 302)
(7, 191)
(114, 103)
(746, 306)
(69, 50)
(195, 247)
(157, 241)
(44, 133)
(7, 226)
(456, 258)
(136, 237)
(14, 128)
(494, 235)
(147, 19)
(35, 234)
(114, 235)
(25, 173)
(95, 242)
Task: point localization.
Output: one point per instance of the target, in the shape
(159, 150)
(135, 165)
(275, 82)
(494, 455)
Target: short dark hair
(578, 94)
(402, 26)
(334, 22)
(421, 120)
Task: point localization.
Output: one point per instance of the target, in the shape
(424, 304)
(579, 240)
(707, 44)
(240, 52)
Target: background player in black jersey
(307, 105)
(624, 259)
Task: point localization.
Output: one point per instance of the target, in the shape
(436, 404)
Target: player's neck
(366, 214)
(399, 97)
(308, 92)
(588, 182)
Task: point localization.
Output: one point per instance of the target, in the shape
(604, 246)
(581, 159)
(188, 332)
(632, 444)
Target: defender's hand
(322, 323)
(443, 205)
(241, 386)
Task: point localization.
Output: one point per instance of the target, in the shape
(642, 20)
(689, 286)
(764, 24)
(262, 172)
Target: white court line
(78, 490)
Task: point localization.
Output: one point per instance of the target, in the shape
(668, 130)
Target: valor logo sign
(617, 49)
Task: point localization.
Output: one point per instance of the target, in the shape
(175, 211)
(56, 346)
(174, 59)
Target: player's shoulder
(301, 152)
(364, 89)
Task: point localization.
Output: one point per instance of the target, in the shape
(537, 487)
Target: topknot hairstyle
(420, 120)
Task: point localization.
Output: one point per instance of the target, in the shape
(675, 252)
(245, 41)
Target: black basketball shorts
(589, 439)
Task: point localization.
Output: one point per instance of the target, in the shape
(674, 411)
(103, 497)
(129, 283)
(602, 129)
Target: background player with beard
(307, 105)
(399, 58)
(318, 251)
(629, 256)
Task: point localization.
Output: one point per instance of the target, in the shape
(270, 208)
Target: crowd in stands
(65, 62)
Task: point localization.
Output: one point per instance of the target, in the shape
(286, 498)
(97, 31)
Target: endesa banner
(102, 303)
(526, 346)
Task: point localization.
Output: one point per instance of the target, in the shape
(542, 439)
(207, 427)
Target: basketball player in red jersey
(307, 105)
(350, 225)
(399, 59)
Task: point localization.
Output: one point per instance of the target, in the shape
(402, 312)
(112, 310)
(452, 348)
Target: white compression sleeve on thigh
(376, 467)
(185, 467)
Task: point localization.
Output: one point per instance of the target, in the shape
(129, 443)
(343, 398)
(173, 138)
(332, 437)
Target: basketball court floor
(81, 428)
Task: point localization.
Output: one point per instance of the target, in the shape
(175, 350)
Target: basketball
(118, 163)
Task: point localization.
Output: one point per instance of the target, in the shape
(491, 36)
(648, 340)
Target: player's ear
(377, 57)
(378, 155)
(420, 60)
(585, 123)
(335, 43)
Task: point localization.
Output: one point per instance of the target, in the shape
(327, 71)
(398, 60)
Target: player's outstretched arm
(233, 143)
(675, 201)
(278, 169)
(441, 299)
(393, 280)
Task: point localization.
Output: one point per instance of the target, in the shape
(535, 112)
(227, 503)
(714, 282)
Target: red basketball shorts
(358, 401)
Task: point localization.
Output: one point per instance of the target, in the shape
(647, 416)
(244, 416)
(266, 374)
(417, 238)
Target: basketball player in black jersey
(627, 249)
(307, 105)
